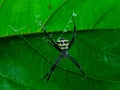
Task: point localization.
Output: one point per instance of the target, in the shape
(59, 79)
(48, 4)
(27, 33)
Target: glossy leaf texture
(25, 57)
(25, 16)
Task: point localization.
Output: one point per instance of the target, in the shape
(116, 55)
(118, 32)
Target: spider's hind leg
(77, 64)
(49, 73)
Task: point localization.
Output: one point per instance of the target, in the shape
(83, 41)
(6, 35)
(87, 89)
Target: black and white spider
(63, 46)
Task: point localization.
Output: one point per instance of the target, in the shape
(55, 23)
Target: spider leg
(49, 73)
(74, 34)
(53, 42)
(77, 64)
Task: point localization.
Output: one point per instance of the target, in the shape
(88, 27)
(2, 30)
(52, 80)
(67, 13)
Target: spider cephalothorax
(62, 45)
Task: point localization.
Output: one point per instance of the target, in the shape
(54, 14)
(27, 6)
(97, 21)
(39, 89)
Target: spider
(63, 46)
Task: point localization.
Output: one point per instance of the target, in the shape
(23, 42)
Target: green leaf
(24, 59)
(28, 58)
(24, 17)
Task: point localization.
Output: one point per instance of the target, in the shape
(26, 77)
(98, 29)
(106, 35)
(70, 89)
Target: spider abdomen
(63, 44)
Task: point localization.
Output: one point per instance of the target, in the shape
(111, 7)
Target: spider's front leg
(49, 73)
(74, 35)
(53, 43)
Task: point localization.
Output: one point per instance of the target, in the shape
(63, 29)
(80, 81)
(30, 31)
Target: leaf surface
(24, 59)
